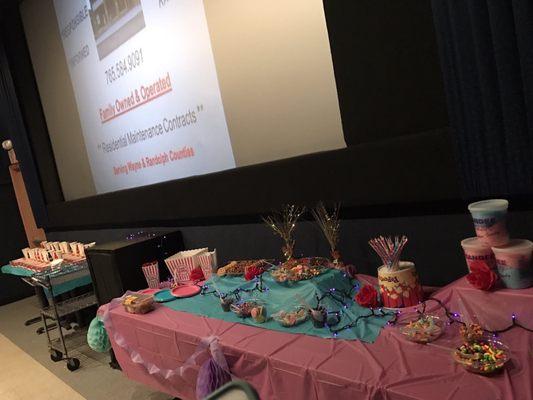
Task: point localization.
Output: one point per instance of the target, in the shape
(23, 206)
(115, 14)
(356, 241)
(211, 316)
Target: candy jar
(225, 303)
(318, 316)
(259, 314)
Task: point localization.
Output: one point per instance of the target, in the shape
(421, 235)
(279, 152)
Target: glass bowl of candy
(424, 329)
(291, 317)
(244, 308)
(484, 356)
(300, 269)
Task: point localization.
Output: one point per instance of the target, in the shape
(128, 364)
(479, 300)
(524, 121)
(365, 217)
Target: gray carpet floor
(94, 380)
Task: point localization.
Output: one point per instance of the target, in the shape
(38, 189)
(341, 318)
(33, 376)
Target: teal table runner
(58, 289)
(279, 297)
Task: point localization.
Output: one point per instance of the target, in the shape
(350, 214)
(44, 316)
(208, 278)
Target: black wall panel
(386, 63)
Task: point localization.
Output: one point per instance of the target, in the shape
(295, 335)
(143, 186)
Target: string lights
(455, 317)
(258, 287)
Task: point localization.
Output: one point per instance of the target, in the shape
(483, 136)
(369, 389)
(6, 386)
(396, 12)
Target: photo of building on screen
(114, 22)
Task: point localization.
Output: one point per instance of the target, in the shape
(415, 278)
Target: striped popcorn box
(181, 264)
(81, 249)
(207, 262)
(151, 273)
(26, 252)
(64, 247)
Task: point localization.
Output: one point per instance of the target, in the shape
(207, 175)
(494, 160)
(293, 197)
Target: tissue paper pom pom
(97, 338)
(211, 376)
(197, 274)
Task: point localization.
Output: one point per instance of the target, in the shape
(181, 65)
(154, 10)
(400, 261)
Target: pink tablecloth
(287, 366)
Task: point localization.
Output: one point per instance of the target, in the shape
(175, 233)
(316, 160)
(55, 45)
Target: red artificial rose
(367, 297)
(252, 272)
(197, 274)
(481, 276)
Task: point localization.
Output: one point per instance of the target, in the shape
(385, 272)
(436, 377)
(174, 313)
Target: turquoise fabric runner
(58, 289)
(279, 297)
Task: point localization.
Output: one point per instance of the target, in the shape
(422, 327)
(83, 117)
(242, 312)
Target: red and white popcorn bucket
(151, 273)
(181, 264)
(207, 261)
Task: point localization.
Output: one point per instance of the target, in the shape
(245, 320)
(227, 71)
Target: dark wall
(434, 241)
(387, 68)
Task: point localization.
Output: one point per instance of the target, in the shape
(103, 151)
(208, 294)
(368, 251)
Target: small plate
(163, 296)
(186, 291)
(149, 291)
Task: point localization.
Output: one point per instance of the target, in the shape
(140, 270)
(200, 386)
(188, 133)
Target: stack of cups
(511, 258)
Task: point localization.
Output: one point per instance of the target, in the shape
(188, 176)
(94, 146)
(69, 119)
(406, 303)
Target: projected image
(143, 104)
(114, 22)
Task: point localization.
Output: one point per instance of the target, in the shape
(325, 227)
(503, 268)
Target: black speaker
(116, 266)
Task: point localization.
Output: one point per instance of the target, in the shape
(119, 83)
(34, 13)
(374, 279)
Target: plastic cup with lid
(490, 221)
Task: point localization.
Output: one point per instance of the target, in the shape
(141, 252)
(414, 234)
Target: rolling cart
(59, 309)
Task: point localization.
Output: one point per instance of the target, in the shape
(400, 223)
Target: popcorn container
(151, 273)
(514, 263)
(490, 221)
(477, 250)
(181, 264)
(400, 288)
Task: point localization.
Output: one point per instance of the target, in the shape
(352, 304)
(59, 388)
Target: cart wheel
(56, 356)
(73, 364)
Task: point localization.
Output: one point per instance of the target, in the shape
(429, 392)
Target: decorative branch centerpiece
(283, 224)
(329, 224)
(398, 281)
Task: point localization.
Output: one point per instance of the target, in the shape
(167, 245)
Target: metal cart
(59, 309)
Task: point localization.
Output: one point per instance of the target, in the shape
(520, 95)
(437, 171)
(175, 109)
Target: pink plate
(149, 291)
(186, 291)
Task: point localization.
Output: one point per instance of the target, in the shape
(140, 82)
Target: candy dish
(484, 356)
(319, 316)
(297, 270)
(244, 309)
(291, 318)
(259, 314)
(425, 329)
(138, 303)
(236, 268)
(226, 303)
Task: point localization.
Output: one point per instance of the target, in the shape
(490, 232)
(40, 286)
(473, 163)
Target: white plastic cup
(490, 221)
(514, 263)
(477, 250)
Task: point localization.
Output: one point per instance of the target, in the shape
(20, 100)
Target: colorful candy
(244, 309)
(291, 318)
(424, 330)
(483, 357)
(471, 332)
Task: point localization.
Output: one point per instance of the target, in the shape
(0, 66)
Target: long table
(294, 366)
